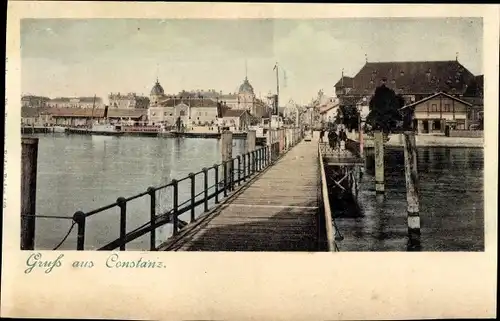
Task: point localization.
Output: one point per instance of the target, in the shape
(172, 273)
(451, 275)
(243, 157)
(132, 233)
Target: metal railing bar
(249, 169)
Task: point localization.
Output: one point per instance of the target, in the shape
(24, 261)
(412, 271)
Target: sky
(83, 57)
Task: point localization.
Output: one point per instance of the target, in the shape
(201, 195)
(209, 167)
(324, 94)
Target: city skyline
(83, 57)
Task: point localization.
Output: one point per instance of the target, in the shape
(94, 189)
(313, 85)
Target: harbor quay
(289, 195)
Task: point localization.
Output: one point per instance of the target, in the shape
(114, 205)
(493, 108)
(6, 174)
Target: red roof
(412, 77)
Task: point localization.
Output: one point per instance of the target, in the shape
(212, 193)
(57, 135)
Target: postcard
(250, 161)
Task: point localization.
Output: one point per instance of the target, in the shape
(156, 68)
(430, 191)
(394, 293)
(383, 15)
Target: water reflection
(451, 204)
(87, 172)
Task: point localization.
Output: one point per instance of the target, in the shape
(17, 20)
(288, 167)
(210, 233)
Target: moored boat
(106, 129)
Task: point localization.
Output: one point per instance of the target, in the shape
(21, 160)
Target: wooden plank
(276, 212)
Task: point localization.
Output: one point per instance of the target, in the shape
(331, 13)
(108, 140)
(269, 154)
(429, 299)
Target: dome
(246, 87)
(157, 89)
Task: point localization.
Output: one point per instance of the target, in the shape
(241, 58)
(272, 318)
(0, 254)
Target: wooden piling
(226, 153)
(29, 156)
(379, 162)
(411, 175)
(250, 141)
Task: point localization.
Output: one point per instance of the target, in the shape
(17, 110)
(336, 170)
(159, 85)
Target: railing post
(253, 162)
(29, 155)
(244, 167)
(152, 218)
(193, 195)
(239, 169)
(224, 168)
(175, 206)
(231, 182)
(79, 217)
(122, 203)
(205, 189)
(259, 159)
(216, 168)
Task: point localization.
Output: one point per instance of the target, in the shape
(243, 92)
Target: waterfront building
(162, 109)
(127, 101)
(433, 114)
(76, 102)
(34, 116)
(84, 116)
(413, 80)
(34, 101)
(235, 119)
(192, 111)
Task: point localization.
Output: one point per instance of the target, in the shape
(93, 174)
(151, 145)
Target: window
(164, 114)
(434, 108)
(182, 113)
(447, 107)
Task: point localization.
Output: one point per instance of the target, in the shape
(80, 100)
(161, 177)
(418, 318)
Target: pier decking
(277, 210)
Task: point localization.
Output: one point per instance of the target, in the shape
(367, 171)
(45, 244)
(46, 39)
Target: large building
(244, 99)
(432, 114)
(34, 101)
(127, 101)
(76, 102)
(413, 80)
(191, 111)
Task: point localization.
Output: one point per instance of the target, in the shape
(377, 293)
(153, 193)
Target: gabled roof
(31, 112)
(345, 81)
(411, 77)
(436, 95)
(234, 112)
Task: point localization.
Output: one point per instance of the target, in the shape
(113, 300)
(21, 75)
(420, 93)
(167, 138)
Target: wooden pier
(278, 210)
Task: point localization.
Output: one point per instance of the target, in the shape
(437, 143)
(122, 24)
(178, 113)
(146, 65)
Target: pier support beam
(250, 142)
(379, 162)
(412, 198)
(227, 154)
(29, 155)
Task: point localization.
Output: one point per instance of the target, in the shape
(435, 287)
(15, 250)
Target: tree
(351, 117)
(384, 112)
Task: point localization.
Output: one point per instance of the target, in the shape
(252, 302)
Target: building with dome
(157, 94)
(199, 108)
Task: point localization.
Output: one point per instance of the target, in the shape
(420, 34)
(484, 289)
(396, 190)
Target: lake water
(451, 203)
(87, 172)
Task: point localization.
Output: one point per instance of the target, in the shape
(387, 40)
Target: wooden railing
(327, 228)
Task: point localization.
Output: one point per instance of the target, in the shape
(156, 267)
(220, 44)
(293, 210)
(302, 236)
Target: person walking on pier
(321, 133)
(332, 139)
(343, 138)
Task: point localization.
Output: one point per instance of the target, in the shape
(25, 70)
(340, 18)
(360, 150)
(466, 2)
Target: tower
(156, 93)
